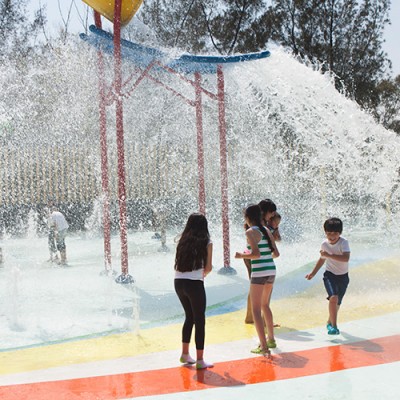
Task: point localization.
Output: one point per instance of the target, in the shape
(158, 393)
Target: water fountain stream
(291, 137)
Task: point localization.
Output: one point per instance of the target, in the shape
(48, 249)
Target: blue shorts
(336, 285)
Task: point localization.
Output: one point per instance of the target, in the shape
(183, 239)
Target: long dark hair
(254, 214)
(191, 252)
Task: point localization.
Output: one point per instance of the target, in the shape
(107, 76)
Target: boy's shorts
(60, 239)
(336, 285)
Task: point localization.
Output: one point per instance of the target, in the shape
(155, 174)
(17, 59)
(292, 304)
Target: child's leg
(333, 310)
(249, 314)
(198, 302)
(193, 299)
(342, 283)
(185, 348)
(332, 289)
(256, 295)
(61, 246)
(180, 289)
(269, 322)
(52, 245)
(197, 299)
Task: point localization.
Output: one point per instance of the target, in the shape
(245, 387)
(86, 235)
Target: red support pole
(227, 269)
(104, 156)
(200, 146)
(124, 278)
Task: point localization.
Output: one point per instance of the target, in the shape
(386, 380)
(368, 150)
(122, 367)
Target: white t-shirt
(340, 247)
(59, 221)
(195, 275)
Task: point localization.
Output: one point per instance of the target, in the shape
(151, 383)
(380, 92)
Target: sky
(392, 32)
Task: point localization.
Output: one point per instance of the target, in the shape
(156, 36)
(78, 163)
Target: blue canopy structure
(148, 59)
(142, 56)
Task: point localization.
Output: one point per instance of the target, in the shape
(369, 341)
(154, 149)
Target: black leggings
(192, 295)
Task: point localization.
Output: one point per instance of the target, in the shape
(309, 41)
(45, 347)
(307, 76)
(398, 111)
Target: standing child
(262, 250)
(51, 238)
(273, 226)
(335, 251)
(193, 262)
(268, 210)
(60, 225)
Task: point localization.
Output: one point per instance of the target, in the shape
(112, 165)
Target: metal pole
(200, 146)
(124, 277)
(104, 156)
(227, 269)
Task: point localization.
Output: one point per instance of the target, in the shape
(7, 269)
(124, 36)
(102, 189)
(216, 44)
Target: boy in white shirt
(335, 251)
(60, 225)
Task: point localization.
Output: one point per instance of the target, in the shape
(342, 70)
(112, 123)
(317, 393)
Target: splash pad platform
(122, 363)
(362, 362)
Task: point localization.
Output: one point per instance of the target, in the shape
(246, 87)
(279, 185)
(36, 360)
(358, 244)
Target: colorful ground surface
(362, 362)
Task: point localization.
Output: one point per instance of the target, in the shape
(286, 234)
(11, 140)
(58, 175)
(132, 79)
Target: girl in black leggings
(193, 262)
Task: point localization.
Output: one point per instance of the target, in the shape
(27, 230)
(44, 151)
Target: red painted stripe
(232, 373)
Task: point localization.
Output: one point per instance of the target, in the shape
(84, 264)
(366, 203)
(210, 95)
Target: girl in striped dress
(261, 252)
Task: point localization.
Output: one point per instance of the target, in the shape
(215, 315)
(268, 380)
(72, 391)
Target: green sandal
(260, 350)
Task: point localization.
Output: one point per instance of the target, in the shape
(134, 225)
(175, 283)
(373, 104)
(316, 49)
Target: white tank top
(195, 275)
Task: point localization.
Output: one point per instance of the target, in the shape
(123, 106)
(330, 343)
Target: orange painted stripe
(232, 373)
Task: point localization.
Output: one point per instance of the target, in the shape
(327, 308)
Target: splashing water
(31, 231)
(291, 137)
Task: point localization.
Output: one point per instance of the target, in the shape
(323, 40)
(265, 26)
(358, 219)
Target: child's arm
(277, 235)
(338, 257)
(275, 251)
(208, 266)
(252, 240)
(317, 267)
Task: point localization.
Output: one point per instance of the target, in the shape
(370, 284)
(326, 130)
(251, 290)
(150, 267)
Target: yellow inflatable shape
(106, 8)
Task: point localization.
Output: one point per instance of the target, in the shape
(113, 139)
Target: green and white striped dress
(263, 266)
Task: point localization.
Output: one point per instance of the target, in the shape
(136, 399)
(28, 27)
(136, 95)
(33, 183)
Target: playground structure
(106, 8)
(63, 337)
(149, 59)
(272, 98)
